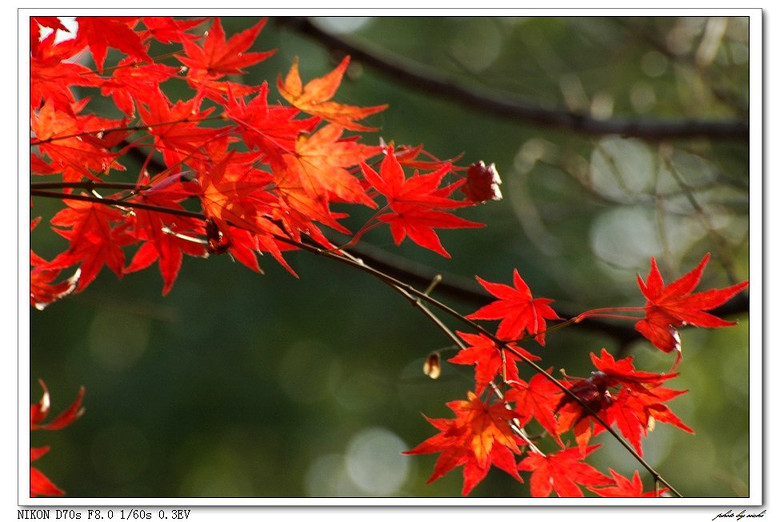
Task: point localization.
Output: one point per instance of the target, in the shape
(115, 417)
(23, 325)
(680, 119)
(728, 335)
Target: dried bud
(432, 365)
(482, 183)
(592, 391)
(217, 243)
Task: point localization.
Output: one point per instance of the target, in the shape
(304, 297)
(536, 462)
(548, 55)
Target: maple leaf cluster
(226, 171)
(235, 172)
(489, 429)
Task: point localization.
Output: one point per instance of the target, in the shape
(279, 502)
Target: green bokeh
(239, 384)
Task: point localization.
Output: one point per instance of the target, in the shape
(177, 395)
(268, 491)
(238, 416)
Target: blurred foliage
(268, 386)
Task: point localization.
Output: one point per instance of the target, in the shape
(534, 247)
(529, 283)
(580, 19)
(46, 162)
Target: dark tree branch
(460, 288)
(434, 83)
(453, 286)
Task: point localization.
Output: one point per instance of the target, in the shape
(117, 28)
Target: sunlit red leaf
(537, 399)
(675, 305)
(623, 372)
(176, 127)
(272, 129)
(102, 32)
(219, 57)
(96, 237)
(517, 310)
(563, 472)
(489, 359)
(626, 488)
(314, 97)
(418, 205)
(166, 29)
(134, 80)
(164, 237)
(73, 142)
(320, 165)
(479, 437)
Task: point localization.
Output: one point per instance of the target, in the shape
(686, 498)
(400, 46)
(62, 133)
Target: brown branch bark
(460, 288)
(456, 287)
(433, 83)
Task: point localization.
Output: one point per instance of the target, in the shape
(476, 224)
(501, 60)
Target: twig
(414, 296)
(451, 285)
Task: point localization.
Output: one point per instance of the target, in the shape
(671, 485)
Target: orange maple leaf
(479, 437)
(314, 97)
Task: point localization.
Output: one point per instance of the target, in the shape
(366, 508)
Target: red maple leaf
(235, 198)
(626, 488)
(636, 413)
(562, 472)
(36, 22)
(417, 204)
(164, 237)
(167, 30)
(489, 359)
(634, 403)
(218, 57)
(314, 97)
(623, 372)
(175, 127)
(269, 128)
(132, 80)
(518, 311)
(537, 399)
(72, 144)
(674, 305)
(478, 438)
(320, 166)
(102, 32)
(96, 234)
(52, 69)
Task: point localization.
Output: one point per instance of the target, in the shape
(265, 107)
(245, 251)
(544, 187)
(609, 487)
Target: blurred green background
(240, 385)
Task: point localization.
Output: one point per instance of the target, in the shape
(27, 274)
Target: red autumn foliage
(563, 472)
(315, 98)
(241, 176)
(489, 359)
(674, 305)
(630, 399)
(479, 437)
(626, 488)
(517, 310)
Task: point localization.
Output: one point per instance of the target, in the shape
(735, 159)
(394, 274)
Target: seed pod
(482, 183)
(432, 365)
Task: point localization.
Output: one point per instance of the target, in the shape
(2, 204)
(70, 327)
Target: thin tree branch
(451, 285)
(414, 296)
(459, 288)
(439, 85)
